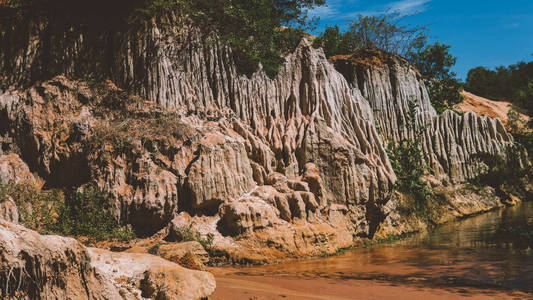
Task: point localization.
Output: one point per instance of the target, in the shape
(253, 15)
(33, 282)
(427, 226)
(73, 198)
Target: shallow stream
(489, 256)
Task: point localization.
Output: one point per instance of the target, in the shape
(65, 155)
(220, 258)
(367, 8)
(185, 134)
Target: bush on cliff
(259, 31)
(187, 234)
(83, 213)
(408, 164)
(506, 172)
(38, 209)
(385, 33)
(521, 130)
(86, 213)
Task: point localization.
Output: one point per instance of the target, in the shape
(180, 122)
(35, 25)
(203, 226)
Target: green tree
(513, 83)
(481, 81)
(259, 31)
(332, 41)
(372, 32)
(387, 34)
(434, 62)
(408, 163)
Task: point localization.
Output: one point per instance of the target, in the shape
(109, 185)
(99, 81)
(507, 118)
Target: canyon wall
(449, 141)
(33, 266)
(158, 116)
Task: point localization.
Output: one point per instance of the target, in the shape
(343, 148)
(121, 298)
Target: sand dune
(485, 107)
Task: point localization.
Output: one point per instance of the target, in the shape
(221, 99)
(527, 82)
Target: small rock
(279, 182)
(189, 261)
(246, 215)
(9, 211)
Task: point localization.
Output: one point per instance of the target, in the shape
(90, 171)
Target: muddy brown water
(489, 256)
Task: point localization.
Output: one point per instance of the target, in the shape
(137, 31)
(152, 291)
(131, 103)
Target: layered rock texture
(33, 266)
(159, 117)
(490, 108)
(449, 141)
(36, 267)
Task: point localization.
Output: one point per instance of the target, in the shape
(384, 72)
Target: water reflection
(509, 229)
(498, 244)
(491, 251)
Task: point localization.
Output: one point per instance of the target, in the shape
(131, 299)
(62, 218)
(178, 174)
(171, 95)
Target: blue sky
(482, 33)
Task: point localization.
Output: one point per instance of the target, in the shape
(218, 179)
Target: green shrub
(520, 129)
(87, 213)
(187, 234)
(406, 159)
(83, 213)
(38, 209)
(506, 172)
(154, 250)
(408, 163)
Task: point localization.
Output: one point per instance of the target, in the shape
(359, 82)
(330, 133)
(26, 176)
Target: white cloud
(402, 7)
(334, 9)
(339, 9)
(407, 7)
(511, 25)
(325, 12)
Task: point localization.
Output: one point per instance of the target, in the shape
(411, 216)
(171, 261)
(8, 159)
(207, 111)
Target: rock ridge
(449, 140)
(175, 135)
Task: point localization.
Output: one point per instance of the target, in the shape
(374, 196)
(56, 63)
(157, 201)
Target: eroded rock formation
(294, 163)
(389, 82)
(37, 267)
(52, 267)
(239, 130)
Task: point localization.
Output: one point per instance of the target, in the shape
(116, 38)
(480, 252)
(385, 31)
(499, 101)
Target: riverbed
(489, 256)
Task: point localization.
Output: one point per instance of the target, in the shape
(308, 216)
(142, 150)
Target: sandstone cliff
(52, 267)
(389, 82)
(160, 118)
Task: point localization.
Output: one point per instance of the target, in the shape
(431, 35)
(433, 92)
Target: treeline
(386, 33)
(264, 31)
(513, 83)
(259, 31)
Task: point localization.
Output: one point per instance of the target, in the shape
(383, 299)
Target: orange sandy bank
(267, 287)
(485, 107)
(377, 273)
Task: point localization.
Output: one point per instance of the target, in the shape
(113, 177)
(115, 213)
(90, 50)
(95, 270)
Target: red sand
(382, 273)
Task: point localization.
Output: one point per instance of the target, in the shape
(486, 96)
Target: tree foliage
(87, 213)
(372, 32)
(434, 62)
(259, 31)
(513, 83)
(74, 213)
(408, 163)
(506, 172)
(385, 33)
(334, 42)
